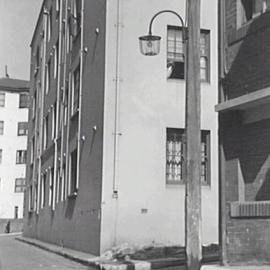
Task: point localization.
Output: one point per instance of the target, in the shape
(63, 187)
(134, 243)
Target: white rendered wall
(10, 143)
(148, 104)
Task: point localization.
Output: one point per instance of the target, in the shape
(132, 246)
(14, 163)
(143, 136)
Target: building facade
(106, 144)
(13, 146)
(244, 131)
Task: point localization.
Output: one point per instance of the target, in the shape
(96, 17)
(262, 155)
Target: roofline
(37, 23)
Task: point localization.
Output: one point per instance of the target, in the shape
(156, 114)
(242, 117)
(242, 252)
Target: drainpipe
(57, 107)
(64, 181)
(67, 186)
(116, 132)
(41, 116)
(80, 97)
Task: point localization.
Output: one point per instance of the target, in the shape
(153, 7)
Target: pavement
(97, 263)
(15, 255)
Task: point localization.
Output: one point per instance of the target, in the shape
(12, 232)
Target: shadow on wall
(248, 58)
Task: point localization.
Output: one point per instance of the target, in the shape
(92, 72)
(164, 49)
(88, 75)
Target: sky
(17, 23)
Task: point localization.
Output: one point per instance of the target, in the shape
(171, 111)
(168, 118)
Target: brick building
(244, 119)
(105, 128)
(13, 147)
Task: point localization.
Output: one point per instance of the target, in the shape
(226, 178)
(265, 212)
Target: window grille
(175, 156)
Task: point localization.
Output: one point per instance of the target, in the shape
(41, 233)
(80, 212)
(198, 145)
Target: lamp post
(150, 45)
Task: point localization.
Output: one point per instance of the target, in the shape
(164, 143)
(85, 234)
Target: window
(21, 156)
(48, 77)
(51, 188)
(53, 121)
(23, 103)
(75, 22)
(176, 54)
(1, 127)
(55, 61)
(43, 191)
(34, 105)
(49, 25)
(16, 211)
(2, 99)
(32, 149)
(20, 185)
(57, 7)
(75, 90)
(73, 172)
(45, 132)
(175, 156)
(22, 128)
(250, 9)
(1, 155)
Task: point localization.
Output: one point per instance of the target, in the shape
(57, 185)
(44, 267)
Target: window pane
(2, 99)
(23, 101)
(1, 127)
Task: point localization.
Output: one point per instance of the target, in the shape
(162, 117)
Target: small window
(43, 190)
(2, 99)
(21, 156)
(49, 25)
(1, 127)
(16, 212)
(176, 54)
(45, 132)
(175, 156)
(73, 172)
(75, 18)
(51, 188)
(75, 90)
(250, 9)
(22, 128)
(20, 184)
(48, 77)
(55, 69)
(23, 103)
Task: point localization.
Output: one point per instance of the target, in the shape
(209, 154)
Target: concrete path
(15, 255)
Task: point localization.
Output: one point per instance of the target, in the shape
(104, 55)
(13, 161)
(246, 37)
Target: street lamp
(150, 46)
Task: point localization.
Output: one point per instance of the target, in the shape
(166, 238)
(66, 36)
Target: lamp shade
(150, 45)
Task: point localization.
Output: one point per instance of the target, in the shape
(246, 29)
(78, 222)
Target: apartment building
(106, 125)
(244, 119)
(13, 146)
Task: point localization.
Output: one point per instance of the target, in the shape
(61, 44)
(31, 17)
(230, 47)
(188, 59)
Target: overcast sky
(17, 23)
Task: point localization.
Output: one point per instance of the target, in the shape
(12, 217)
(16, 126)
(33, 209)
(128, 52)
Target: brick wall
(247, 146)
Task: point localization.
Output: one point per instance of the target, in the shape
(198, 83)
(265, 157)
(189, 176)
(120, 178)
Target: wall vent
(250, 209)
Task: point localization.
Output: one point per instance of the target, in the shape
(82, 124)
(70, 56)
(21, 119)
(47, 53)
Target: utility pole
(193, 140)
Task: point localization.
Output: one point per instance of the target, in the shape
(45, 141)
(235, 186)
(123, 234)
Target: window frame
(23, 100)
(2, 127)
(180, 133)
(21, 156)
(20, 188)
(24, 128)
(2, 99)
(181, 51)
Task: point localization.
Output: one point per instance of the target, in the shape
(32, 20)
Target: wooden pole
(193, 140)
